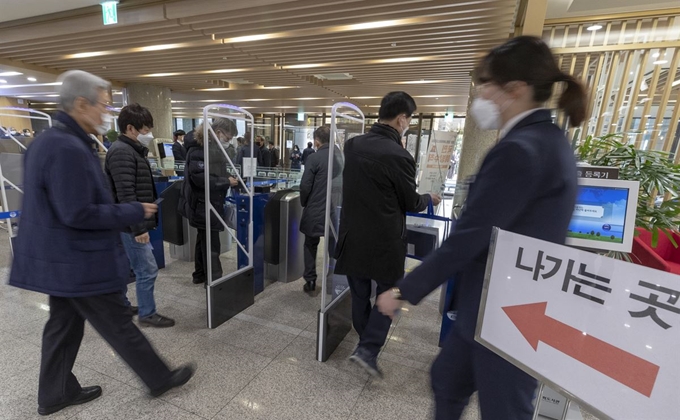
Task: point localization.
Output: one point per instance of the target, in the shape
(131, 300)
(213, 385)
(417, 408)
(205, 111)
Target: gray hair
(79, 84)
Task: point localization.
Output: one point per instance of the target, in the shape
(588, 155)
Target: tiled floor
(259, 365)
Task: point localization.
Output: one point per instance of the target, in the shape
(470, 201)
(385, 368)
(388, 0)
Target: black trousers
(201, 255)
(369, 323)
(112, 319)
(311, 249)
(465, 366)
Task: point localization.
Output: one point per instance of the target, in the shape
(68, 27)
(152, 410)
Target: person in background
(192, 200)
(274, 152)
(526, 185)
(313, 188)
(244, 152)
(239, 145)
(230, 149)
(69, 247)
(131, 180)
(264, 158)
(379, 188)
(295, 159)
(179, 153)
(308, 151)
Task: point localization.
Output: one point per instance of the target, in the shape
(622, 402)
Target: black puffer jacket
(313, 190)
(130, 177)
(192, 200)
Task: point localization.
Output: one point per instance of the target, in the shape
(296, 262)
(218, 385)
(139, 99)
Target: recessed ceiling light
(88, 54)
(31, 79)
(3, 81)
(10, 73)
(659, 62)
(655, 55)
(304, 66)
(595, 27)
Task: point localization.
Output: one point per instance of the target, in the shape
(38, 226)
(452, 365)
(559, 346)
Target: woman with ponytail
(526, 185)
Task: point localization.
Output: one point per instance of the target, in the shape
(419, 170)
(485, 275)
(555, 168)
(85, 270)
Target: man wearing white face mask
(379, 188)
(131, 180)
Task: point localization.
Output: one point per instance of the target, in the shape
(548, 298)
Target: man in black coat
(313, 189)
(179, 153)
(274, 153)
(378, 190)
(308, 151)
(69, 248)
(264, 157)
(131, 180)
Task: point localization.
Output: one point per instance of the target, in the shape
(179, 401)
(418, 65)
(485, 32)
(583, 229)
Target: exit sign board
(110, 12)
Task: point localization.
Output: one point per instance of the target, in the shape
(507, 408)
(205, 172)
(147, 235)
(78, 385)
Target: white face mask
(105, 126)
(404, 130)
(145, 139)
(487, 114)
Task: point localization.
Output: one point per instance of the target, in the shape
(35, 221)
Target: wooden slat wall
(622, 73)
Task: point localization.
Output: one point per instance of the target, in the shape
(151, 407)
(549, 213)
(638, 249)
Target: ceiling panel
(270, 55)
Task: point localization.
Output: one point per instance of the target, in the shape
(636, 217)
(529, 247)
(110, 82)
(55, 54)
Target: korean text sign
(606, 332)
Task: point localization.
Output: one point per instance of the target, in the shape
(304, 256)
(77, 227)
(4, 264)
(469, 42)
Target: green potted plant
(111, 135)
(658, 206)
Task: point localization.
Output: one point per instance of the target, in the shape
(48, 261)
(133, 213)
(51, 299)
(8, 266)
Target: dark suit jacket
(379, 188)
(313, 188)
(179, 152)
(527, 185)
(69, 241)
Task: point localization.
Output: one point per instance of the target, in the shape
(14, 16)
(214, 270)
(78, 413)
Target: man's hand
(387, 304)
(149, 209)
(233, 181)
(143, 238)
(436, 199)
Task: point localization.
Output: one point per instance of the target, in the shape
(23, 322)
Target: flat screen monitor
(604, 216)
(168, 150)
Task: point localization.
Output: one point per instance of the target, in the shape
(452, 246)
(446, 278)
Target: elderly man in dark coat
(313, 189)
(69, 248)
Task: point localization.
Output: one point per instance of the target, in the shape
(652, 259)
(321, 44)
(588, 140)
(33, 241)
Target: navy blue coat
(526, 185)
(69, 241)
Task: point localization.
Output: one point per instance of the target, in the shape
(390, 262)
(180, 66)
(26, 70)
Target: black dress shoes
(87, 394)
(179, 377)
(309, 286)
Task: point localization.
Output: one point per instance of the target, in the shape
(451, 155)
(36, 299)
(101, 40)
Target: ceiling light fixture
(10, 73)
(3, 81)
(372, 25)
(161, 74)
(419, 82)
(305, 66)
(89, 54)
(212, 89)
(31, 79)
(249, 38)
(159, 47)
(220, 71)
(595, 27)
(659, 62)
(401, 60)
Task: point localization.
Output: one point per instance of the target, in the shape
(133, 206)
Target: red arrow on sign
(623, 367)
